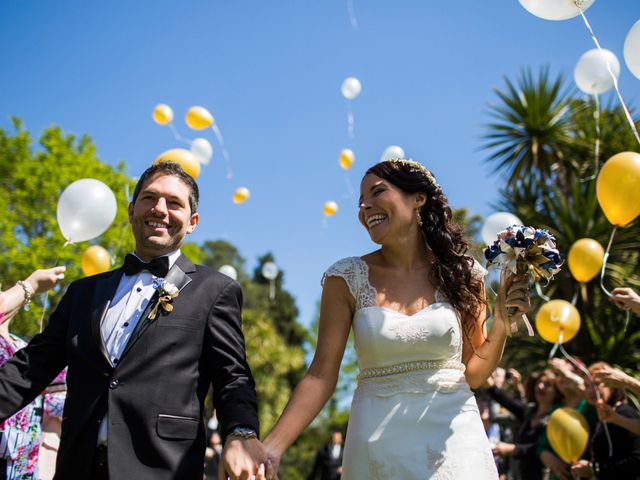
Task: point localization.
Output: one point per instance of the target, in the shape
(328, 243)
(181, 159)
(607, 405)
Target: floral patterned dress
(20, 434)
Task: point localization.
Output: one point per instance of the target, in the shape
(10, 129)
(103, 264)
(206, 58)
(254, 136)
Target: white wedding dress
(413, 415)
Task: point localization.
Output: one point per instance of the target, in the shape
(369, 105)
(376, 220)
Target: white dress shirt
(131, 298)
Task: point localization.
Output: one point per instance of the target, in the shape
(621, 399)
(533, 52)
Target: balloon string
(225, 154)
(574, 299)
(556, 345)
(177, 136)
(352, 15)
(350, 190)
(272, 290)
(596, 116)
(350, 120)
(613, 77)
(588, 375)
(604, 262)
(45, 295)
(540, 294)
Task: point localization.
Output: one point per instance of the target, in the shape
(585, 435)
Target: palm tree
(542, 139)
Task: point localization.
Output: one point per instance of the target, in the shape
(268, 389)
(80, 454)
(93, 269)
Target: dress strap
(355, 273)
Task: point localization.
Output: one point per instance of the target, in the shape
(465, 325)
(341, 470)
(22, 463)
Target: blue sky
(270, 72)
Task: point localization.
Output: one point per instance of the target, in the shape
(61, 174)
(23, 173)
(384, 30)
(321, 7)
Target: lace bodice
(385, 337)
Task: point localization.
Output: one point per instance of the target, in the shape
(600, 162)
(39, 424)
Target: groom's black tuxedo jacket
(155, 393)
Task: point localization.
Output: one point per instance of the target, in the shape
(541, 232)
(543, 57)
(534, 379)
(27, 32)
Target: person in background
(328, 462)
(494, 434)
(542, 395)
(20, 294)
(54, 398)
(19, 434)
(626, 299)
(622, 460)
(571, 385)
(212, 456)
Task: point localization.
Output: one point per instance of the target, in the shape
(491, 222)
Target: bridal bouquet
(521, 250)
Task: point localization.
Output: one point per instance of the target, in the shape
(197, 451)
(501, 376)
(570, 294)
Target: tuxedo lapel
(177, 275)
(103, 294)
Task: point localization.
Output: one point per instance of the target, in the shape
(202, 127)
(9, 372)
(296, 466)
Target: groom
(143, 344)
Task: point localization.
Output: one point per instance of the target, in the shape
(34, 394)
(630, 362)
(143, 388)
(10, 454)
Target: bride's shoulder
(344, 266)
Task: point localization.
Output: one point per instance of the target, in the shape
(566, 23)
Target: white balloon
(632, 49)
(270, 271)
(202, 150)
(591, 73)
(229, 271)
(392, 151)
(351, 88)
(496, 223)
(85, 210)
(555, 9)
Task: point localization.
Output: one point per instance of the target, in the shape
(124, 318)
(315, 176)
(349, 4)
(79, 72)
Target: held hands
(243, 459)
(626, 299)
(42, 280)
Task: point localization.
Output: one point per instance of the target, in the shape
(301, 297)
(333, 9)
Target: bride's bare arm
(319, 383)
(482, 354)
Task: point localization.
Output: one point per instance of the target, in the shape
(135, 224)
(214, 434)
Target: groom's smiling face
(161, 216)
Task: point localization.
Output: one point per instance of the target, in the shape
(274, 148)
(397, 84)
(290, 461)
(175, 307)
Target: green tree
(32, 179)
(542, 140)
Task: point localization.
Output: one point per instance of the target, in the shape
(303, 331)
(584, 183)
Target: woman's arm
(481, 354)
(318, 384)
(38, 282)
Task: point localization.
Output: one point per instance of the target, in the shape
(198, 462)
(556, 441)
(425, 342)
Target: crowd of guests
(515, 413)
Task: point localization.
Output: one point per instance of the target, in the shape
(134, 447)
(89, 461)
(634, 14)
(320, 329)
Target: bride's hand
(515, 295)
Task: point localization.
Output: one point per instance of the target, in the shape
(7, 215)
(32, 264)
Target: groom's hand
(241, 459)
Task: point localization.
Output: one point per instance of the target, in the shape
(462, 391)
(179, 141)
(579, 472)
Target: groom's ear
(193, 222)
(130, 211)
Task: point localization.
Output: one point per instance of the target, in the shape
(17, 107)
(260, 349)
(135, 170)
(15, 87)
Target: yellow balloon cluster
(95, 259)
(347, 158)
(162, 114)
(568, 434)
(241, 195)
(618, 188)
(198, 118)
(184, 158)
(556, 319)
(585, 259)
(330, 209)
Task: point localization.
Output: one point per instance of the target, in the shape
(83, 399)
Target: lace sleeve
(478, 271)
(347, 268)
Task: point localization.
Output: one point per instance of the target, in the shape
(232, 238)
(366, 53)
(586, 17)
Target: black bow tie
(158, 266)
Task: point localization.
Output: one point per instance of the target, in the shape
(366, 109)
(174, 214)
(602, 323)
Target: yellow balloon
(184, 158)
(347, 158)
(198, 118)
(585, 259)
(330, 209)
(95, 259)
(241, 195)
(568, 434)
(557, 317)
(618, 188)
(162, 114)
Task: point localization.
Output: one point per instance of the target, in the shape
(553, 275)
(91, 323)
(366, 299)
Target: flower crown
(416, 167)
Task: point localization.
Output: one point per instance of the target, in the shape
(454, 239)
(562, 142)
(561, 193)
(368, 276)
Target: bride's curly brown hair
(452, 271)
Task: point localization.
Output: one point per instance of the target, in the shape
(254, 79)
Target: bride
(417, 309)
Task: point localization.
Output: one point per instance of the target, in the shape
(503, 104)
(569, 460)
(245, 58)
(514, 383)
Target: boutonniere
(166, 293)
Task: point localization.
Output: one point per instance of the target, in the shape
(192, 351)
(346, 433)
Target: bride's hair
(453, 270)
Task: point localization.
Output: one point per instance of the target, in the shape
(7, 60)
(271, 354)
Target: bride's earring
(418, 218)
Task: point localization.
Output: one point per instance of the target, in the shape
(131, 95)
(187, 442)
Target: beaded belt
(411, 367)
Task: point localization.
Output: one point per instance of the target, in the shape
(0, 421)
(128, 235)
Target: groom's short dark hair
(174, 169)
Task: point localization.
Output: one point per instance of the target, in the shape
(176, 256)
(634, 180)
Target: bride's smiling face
(385, 210)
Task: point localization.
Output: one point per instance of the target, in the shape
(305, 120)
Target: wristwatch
(242, 432)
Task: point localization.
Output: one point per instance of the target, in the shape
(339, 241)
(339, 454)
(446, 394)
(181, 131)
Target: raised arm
(482, 352)
(319, 383)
